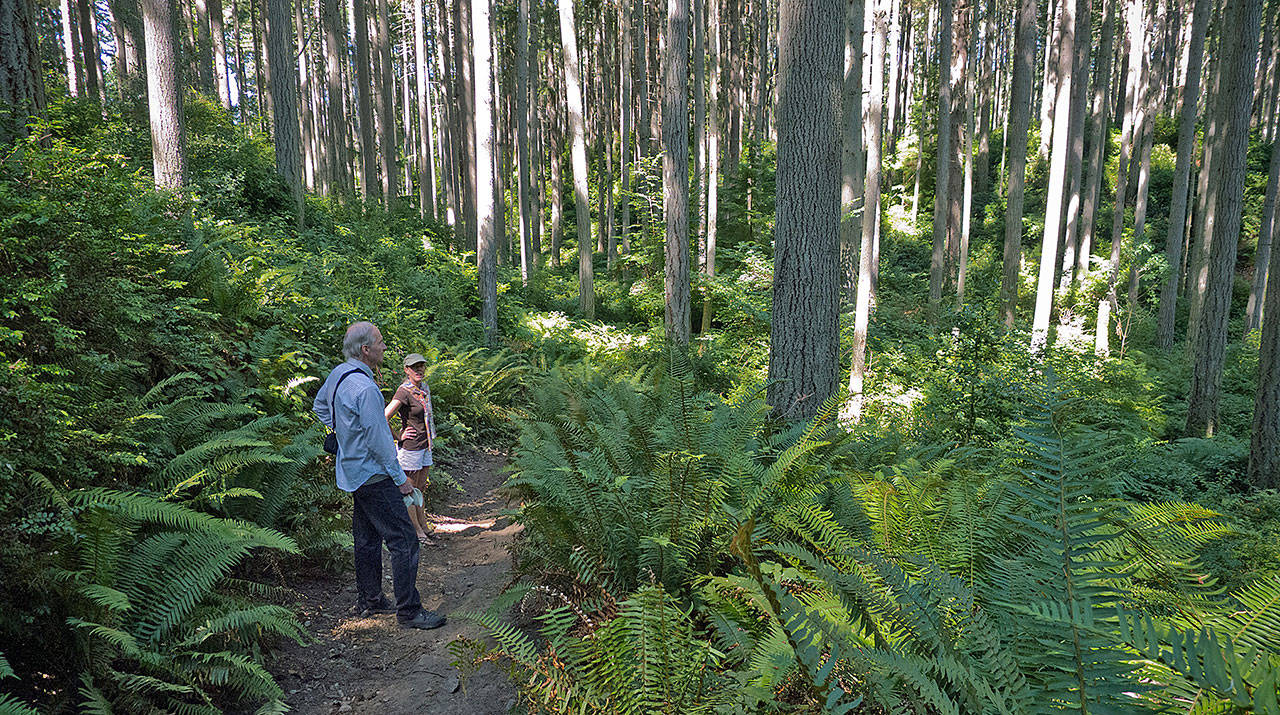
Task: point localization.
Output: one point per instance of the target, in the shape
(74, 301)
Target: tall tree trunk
(218, 35)
(804, 336)
(577, 130)
(625, 73)
(305, 114)
(203, 46)
(675, 170)
(370, 188)
(733, 88)
(21, 84)
(1206, 205)
(284, 90)
(335, 48)
(982, 168)
(962, 26)
(486, 246)
(852, 179)
(1108, 304)
(522, 137)
(942, 183)
(466, 78)
(127, 24)
(699, 131)
(1266, 240)
(1019, 121)
(1194, 58)
(1264, 446)
(1058, 170)
(164, 95)
(713, 155)
(87, 24)
(871, 224)
(1075, 145)
(71, 49)
(1239, 52)
(1146, 120)
(1099, 140)
(962, 172)
(386, 107)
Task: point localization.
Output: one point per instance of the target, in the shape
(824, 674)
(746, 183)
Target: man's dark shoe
(425, 620)
(382, 605)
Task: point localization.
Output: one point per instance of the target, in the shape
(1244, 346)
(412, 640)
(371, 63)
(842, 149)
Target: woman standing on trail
(412, 402)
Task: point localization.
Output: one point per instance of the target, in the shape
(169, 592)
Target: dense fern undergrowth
(997, 536)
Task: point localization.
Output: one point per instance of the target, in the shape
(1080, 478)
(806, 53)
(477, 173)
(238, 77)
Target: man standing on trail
(350, 404)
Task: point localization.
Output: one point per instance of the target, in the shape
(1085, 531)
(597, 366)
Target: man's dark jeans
(379, 515)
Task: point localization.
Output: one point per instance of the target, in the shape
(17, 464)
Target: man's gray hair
(358, 335)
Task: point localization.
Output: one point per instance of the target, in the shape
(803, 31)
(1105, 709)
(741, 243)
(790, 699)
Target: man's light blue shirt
(366, 449)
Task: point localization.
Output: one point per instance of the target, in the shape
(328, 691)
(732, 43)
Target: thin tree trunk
(1239, 51)
(1266, 241)
(577, 130)
(852, 192)
(1019, 121)
(1194, 57)
(675, 170)
(941, 198)
(1056, 195)
(485, 212)
(713, 155)
(1100, 138)
(522, 137)
(1109, 303)
(386, 107)
(370, 188)
(870, 225)
(1206, 208)
(803, 359)
(1075, 145)
(1264, 446)
(164, 96)
(309, 128)
(86, 23)
(966, 145)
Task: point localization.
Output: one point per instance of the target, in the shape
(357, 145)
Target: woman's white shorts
(411, 460)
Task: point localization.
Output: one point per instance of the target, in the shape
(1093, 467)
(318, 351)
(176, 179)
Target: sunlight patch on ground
(594, 336)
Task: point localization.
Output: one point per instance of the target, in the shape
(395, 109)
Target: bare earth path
(369, 665)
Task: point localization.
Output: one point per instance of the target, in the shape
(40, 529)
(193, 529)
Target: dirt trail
(369, 665)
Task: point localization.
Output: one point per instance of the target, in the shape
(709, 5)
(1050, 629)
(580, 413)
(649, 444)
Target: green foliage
(951, 580)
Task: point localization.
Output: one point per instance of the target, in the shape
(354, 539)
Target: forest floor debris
(368, 664)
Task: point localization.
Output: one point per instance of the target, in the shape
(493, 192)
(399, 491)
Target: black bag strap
(333, 401)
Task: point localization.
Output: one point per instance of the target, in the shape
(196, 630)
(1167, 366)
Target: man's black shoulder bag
(331, 439)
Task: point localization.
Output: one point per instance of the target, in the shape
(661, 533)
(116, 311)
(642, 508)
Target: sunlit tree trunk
(309, 127)
(1239, 52)
(803, 360)
(851, 173)
(1099, 139)
(675, 170)
(522, 137)
(1019, 121)
(577, 131)
(71, 49)
(164, 95)
(1266, 240)
(713, 153)
(218, 36)
(1075, 145)
(1108, 305)
(1206, 202)
(486, 245)
(870, 225)
(1058, 170)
